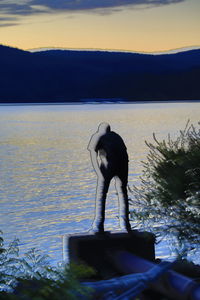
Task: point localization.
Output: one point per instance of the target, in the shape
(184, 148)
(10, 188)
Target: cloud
(11, 12)
(4, 24)
(6, 21)
(12, 8)
(74, 5)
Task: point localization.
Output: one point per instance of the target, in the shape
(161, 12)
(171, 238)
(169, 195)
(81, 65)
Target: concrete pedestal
(97, 250)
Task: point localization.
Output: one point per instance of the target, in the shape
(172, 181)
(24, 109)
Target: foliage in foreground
(169, 194)
(31, 276)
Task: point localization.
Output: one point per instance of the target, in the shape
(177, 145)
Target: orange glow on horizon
(158, 29)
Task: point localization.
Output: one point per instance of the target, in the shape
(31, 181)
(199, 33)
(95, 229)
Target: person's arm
(93, 148)
(95, 162)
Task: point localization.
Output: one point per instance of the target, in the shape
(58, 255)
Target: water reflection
(47, 183)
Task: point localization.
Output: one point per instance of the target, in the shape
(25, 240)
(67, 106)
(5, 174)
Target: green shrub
(31, 277)
(168, 198)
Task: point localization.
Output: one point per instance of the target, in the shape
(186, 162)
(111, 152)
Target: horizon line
(170, 51)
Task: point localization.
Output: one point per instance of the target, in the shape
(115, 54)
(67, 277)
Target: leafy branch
(169, 191)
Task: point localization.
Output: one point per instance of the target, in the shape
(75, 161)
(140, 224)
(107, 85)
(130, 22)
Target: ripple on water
(47, 184)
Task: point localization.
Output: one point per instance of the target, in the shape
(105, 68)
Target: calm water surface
(47, 184)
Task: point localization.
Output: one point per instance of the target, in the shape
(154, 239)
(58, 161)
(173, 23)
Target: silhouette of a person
(110, 159)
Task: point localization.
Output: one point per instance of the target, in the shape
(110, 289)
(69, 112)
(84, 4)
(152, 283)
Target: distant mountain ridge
(171, 51)
(73, 75)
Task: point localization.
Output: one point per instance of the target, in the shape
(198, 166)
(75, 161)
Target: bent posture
(110, 159)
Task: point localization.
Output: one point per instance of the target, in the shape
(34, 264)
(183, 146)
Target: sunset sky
(133, 25)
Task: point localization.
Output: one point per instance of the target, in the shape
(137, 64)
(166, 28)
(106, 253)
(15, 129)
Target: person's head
(104, 127)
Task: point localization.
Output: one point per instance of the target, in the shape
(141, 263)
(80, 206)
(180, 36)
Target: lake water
(47, 184)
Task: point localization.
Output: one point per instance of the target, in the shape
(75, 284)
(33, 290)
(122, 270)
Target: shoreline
(97, 102)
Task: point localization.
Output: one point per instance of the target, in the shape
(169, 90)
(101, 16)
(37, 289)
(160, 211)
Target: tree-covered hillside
(66, 75)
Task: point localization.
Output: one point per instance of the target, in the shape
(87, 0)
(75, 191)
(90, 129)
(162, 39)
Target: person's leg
(121, 188)
(101, 193)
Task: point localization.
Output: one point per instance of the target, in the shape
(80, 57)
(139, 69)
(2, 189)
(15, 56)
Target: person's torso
(112, 148)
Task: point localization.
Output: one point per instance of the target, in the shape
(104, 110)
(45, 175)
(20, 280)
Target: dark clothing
(113, 163)
(111, 147)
